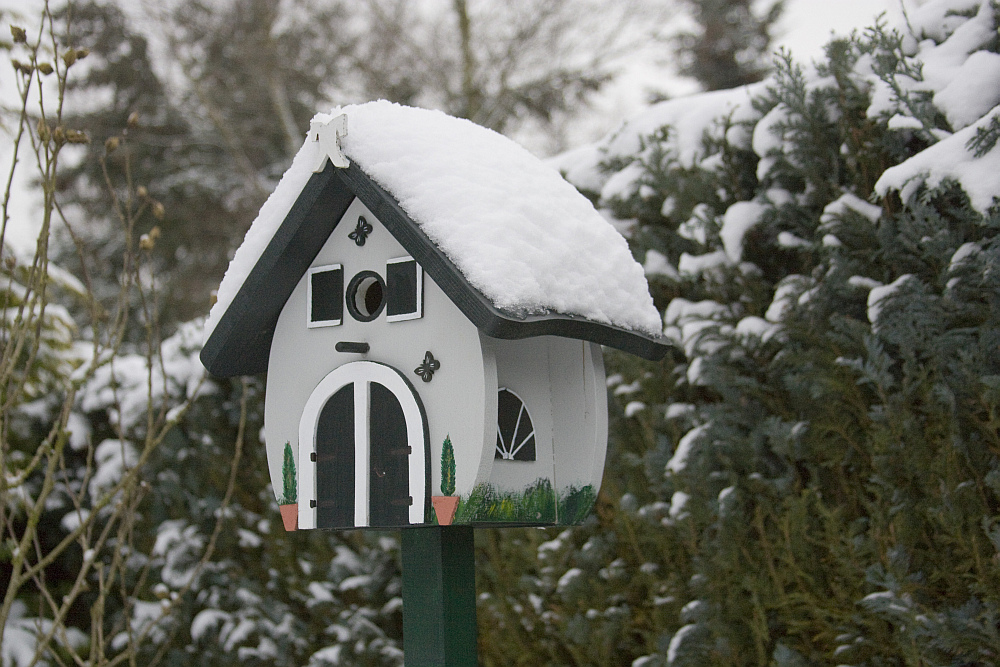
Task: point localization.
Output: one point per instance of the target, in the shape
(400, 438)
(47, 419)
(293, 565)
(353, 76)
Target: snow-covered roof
(520, 235)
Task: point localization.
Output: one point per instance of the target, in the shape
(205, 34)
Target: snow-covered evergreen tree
(730, 42)
(813, 478)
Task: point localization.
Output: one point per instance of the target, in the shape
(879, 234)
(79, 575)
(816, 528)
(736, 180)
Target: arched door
(363, 451)
(334, 459)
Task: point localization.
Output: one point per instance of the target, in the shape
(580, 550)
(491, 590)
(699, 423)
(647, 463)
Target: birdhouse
(429, 303)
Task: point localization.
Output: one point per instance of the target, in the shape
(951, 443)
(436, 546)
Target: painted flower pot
(290, 516)
(444, 507)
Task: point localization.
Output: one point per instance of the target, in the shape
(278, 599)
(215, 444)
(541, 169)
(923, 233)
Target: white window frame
(310, 323)
(419, 312)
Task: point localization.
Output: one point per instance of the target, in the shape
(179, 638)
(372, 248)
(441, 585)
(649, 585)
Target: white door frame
(362, 373)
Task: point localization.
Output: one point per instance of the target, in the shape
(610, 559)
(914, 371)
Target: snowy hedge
(821, 460)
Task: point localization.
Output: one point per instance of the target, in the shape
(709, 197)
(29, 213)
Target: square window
(325, 297)
(404, 281)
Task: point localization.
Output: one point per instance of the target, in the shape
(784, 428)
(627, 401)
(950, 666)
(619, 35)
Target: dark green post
(439, 597)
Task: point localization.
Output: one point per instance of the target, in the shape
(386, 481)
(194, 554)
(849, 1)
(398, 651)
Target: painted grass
(575, 504)
(538, 504)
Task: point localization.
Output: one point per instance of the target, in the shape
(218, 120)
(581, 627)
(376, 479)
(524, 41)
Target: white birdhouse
(429, 302)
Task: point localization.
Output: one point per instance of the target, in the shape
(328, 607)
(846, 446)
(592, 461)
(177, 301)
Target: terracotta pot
(444, 507)
(290, 516)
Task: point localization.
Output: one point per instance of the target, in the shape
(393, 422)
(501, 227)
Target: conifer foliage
(729, 47)
(813, 478)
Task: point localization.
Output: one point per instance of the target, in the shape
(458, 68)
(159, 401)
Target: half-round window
(515, 432)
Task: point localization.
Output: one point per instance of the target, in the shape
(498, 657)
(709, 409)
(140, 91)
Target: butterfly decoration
(361, 231)
(427, 367)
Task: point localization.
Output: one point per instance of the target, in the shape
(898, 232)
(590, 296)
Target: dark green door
(335, 461)
(389, 495)
(363, 439)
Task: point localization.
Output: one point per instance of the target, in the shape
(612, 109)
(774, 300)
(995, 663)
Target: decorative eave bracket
(328, 134)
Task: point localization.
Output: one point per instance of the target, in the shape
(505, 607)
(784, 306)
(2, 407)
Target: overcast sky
(807, 24)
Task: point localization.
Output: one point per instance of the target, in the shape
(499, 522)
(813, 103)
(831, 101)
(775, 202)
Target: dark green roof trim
(241, 342)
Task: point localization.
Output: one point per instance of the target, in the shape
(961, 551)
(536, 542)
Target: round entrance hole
(366, 296)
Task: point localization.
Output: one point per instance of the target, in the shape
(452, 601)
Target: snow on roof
(518, 232)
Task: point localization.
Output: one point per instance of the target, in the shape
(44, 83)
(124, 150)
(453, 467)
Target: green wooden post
(439, 597)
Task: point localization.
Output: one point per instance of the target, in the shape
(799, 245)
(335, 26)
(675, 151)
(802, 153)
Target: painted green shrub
(447, 467)
(539, 503)
(290, 493)
(486, 503)
(575, 504)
